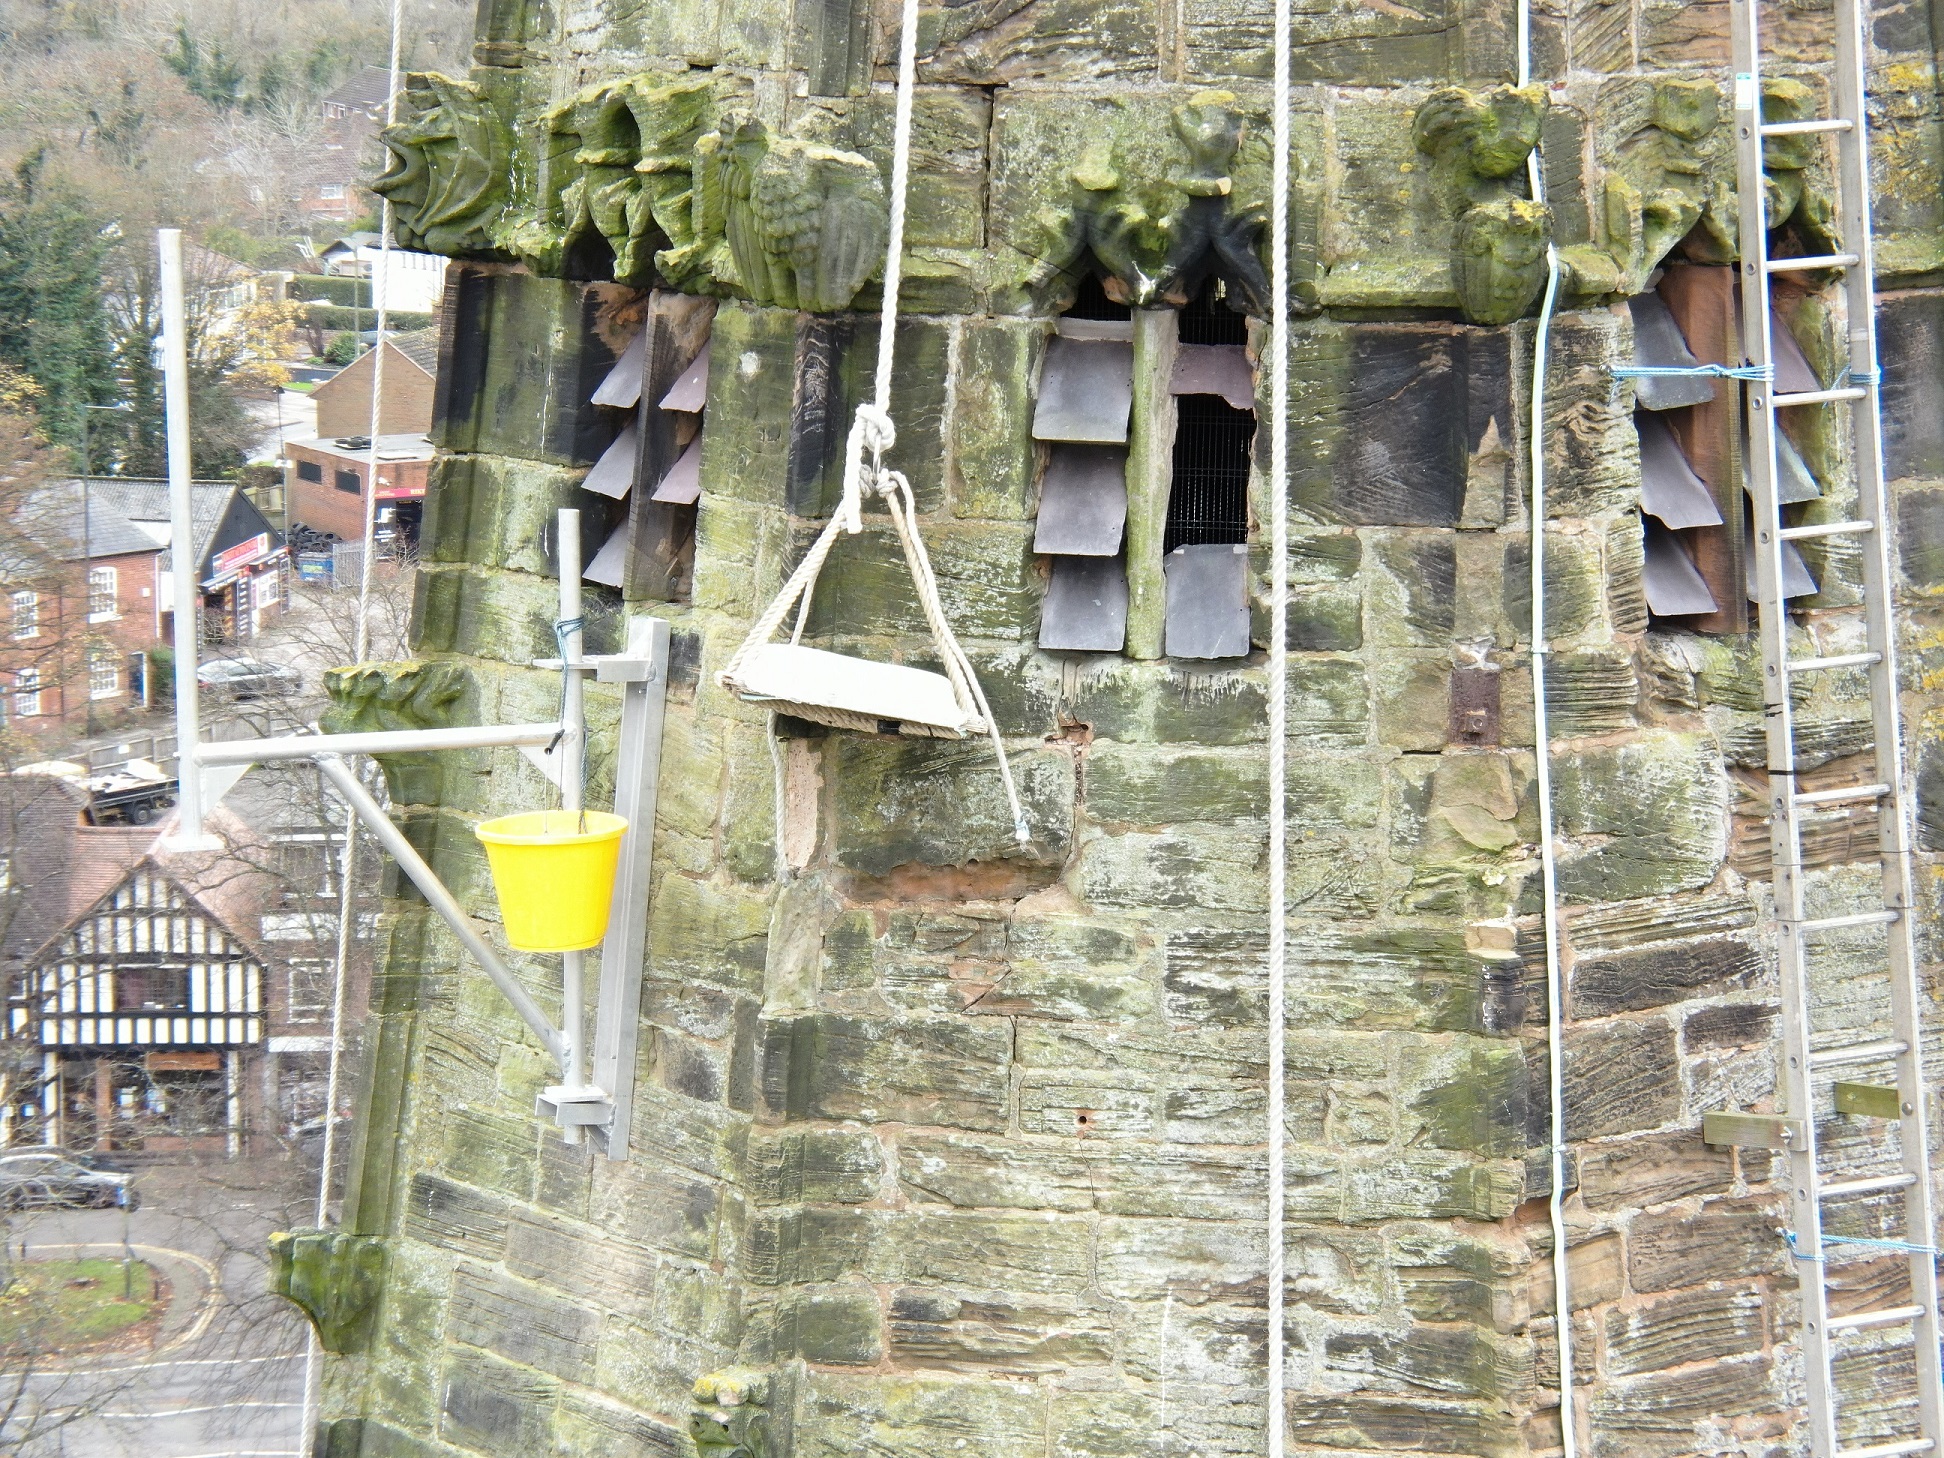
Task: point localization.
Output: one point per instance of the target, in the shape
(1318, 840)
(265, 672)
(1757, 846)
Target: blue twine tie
(1706, 371)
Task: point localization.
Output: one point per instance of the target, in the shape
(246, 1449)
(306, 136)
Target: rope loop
(871, 430)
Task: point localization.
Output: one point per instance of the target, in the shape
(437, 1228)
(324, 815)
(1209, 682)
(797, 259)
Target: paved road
(226, 1376)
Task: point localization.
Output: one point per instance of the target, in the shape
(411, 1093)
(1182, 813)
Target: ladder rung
(1838, 923)
(1818, 397)
(1814, 260)
(1888, 1450)
(1857, 1053)
(1799, 128)
(1863, 1320)
(1837, 797)
(1827, 529)
(1874, 1185)
(1840, 660)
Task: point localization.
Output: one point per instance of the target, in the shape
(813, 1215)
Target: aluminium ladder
(1811, 1064)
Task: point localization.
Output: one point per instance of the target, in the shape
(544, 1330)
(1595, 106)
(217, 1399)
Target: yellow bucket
(554, 873)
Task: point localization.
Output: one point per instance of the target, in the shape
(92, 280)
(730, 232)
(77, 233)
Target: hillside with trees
(118, 117)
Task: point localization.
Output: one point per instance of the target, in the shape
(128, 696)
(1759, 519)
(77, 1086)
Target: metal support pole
(573, 741)
(441, 900)
(400, 741)
(182, 547)
(643, 671)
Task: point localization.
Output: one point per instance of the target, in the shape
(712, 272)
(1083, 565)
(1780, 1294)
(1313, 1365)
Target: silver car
(39, 1180)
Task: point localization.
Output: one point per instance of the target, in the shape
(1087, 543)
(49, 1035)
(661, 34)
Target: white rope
(872, 431)
(1541, 739)
(361, 646)
(1278, 704)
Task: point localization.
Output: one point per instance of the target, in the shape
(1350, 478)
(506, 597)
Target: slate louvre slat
(1208, 605)
(611, 561)
(1086, 606)
(1669, 489)
(613, 474)
(690, 392)
(1674, 586)
(683, 483)
(1214, 369)
(1083, 501)
(621, 390)
(1794, 481)
(1086, 391)
(1794, 374)
(1659, 343)
(1797, 580)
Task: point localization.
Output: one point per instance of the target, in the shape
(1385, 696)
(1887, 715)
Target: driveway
(225, 1377)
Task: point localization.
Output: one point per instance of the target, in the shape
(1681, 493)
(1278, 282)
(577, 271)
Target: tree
(53, 326)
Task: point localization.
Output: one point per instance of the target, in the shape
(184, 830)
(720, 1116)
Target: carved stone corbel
(730, 1419)
(448, 176)
(415, 694)
(1478, 143)
(334, 1279)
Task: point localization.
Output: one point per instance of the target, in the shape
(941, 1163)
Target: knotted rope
(873, 434)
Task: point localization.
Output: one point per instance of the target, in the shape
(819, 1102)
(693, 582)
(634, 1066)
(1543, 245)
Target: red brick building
(326, 481)
(344, 400)
(80, 615)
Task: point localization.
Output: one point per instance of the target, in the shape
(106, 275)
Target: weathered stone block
(926, 803)
(1449, 1361)
(911, 1072)
(995, 1333)
(496, 1407)
(991, 443)
(523, 1323)
(1727, 1241)
(1641, 1173)
(1621, 1077)
(1656, 976)
(1688, 1326)
(1134, 786)
(1659, 805)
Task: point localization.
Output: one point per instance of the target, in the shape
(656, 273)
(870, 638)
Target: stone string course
(942, 1147)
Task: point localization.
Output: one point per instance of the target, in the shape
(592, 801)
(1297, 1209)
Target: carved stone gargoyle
(1478, 143)
(448, 176)
(1159, 241)
(415, 694)
(785, 222)
(334, 1279)
(729, 1419)
(1790, 192)
(1674, 173)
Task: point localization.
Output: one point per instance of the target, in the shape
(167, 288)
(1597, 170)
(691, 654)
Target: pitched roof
(368, 88)
(420, 346)
(124, 514)
(63, 868)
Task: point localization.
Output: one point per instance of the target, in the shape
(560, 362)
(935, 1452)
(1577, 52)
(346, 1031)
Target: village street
(225, 1376)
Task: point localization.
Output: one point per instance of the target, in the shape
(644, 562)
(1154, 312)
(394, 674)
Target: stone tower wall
(943, 1146)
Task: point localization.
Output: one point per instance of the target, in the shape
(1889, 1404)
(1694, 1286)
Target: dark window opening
(1091, 301)
(310, 471)
(1209, 320)
(348, 481)
(1209, 502)
(157, 989)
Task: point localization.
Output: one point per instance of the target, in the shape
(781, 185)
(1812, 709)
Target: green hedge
(347, 292)
(330, 316)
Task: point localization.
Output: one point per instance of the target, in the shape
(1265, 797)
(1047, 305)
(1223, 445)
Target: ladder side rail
(1773, 629)
(1851, 99)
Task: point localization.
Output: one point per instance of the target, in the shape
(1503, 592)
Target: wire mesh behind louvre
(1210, 500)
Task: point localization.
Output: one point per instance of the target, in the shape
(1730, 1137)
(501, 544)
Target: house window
(103, 591)
(310, 471)
(27, 693)
(26, 615)
(267, 588)
(104, 673)
(331, 191)
(311, 984)
(348, 481)
(151, 988)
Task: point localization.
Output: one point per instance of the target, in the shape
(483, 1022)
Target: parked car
(40, 1180)
(247, 678)
(95, 1159)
